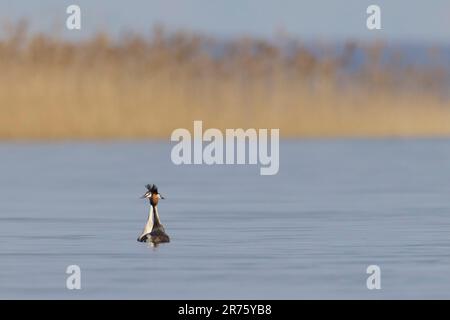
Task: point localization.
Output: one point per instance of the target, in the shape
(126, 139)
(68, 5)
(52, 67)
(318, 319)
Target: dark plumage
(156, 236)
(152, 188)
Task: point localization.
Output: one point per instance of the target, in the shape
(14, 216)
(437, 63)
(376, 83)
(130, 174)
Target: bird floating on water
(154, 232)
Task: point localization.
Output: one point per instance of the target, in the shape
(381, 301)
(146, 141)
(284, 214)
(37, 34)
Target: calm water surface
(309, 232)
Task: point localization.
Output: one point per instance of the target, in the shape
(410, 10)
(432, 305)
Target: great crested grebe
(153, 231)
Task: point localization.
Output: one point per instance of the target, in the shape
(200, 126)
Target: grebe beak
(148, 194)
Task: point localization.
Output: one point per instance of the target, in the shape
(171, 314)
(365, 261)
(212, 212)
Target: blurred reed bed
(146, 86)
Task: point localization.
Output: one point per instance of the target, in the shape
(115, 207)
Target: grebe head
(152, 194)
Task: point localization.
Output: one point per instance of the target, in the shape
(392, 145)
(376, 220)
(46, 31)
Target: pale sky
(402, 20)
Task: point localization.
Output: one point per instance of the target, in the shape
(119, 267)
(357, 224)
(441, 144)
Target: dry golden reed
(145, 87)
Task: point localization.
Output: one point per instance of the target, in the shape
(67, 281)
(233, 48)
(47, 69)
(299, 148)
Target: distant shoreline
(140, 88)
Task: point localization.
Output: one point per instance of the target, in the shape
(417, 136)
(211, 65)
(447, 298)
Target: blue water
(335, 208)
